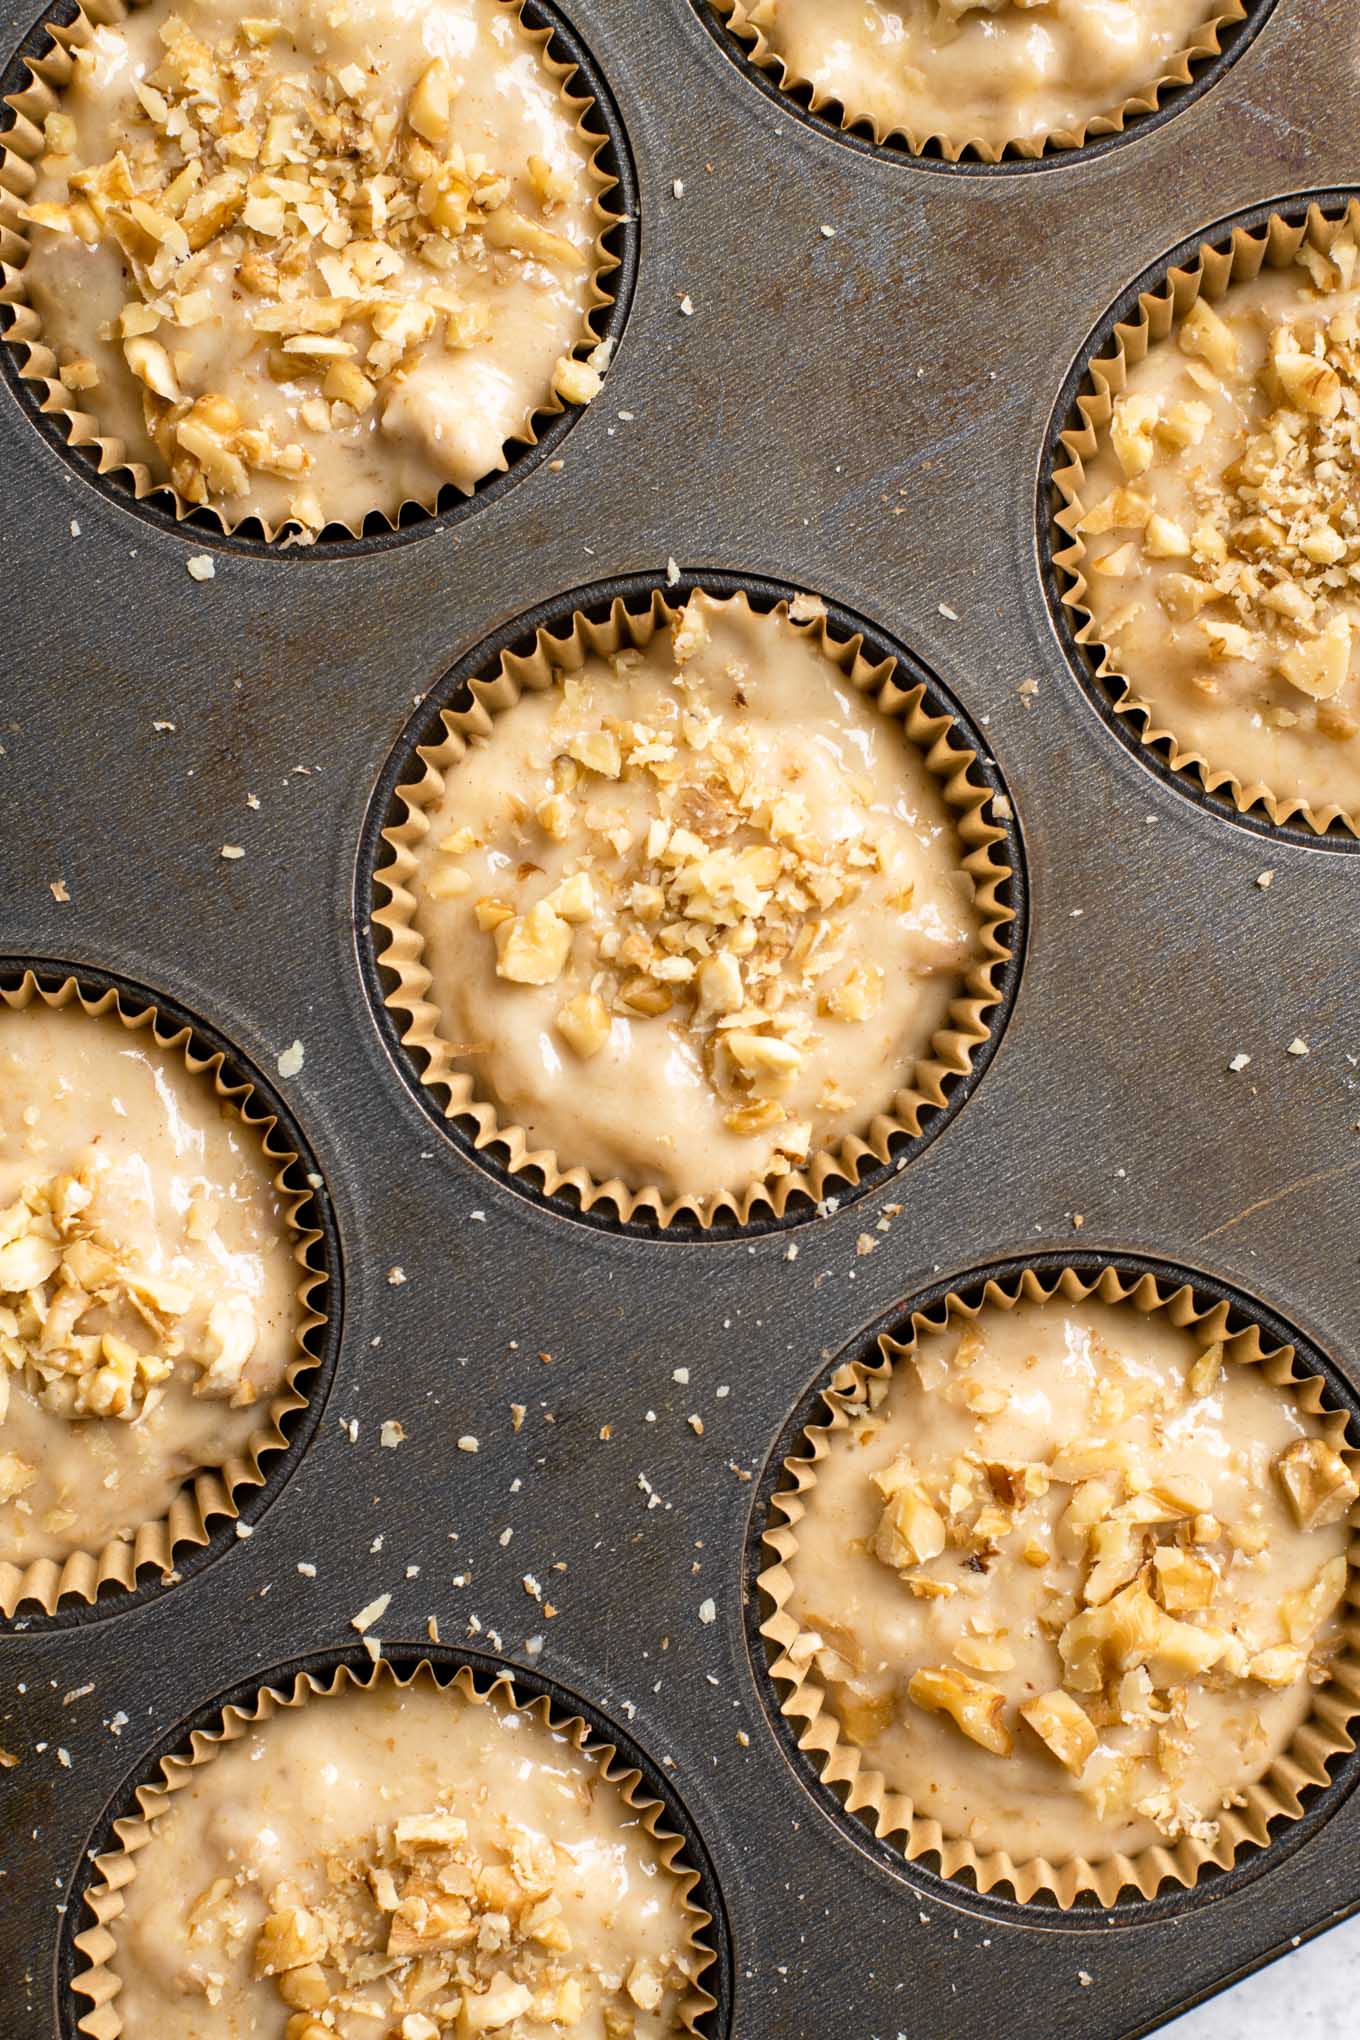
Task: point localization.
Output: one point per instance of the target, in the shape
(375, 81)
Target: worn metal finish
(864, 415)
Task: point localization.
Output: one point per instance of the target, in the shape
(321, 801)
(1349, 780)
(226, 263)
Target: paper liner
(1213, 272)
(211, 1493)
(115, 1870)
(1277, 1796)
(22, 144)
(1180, 71)
(951, 1047)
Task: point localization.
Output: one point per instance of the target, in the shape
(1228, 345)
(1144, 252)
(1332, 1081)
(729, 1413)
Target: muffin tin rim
(1040, 1914)
(419, 728)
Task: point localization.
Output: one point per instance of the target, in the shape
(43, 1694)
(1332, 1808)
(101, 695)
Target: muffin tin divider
(862, 414)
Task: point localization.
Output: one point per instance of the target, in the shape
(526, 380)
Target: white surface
(1312, 1994)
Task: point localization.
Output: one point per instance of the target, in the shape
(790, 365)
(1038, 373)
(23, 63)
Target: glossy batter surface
(695, 912)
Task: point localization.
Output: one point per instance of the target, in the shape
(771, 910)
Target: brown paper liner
(951, 1048)
(115, 1870)
(1211, 274)
(211, 1494)
(22, 145)
(1180, 71)
(860, 1385)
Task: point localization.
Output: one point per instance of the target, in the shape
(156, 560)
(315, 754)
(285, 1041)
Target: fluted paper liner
(211, 1494)
(1277, 1796)
(951, 1048)
(22, 145)
(1180, 70)
(1213, 272)
(114, 1871)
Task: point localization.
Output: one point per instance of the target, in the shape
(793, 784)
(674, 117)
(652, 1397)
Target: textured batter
(404, 1863)
(148, 1291)
(694, 913)
(1070, 1586)
(315, 264)
(1222, 531)
(992, 71)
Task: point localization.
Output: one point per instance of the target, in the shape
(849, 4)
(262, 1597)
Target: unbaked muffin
(980, 72)
(1220, 532)
(149, 1307)
(314, 265)
(695, 912)
(1071, 1577)
(403, 1860)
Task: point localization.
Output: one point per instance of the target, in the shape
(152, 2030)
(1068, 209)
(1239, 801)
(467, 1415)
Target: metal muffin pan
(865, 414)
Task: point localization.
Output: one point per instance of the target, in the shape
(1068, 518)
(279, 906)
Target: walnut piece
(1318, 1483)
(1063, 1724)
(975, 1707)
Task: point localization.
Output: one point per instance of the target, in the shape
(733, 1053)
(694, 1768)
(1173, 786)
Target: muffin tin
(867, 413)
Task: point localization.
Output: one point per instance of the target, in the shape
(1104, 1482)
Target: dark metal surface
(864, 415)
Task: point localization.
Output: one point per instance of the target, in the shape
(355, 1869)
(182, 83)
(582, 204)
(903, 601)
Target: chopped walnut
(93, 1334)
(1319, 1484)
(1155, 1610)
(723, 912)
(464, 1942)
(1064, 1725)
(977, 1708)
(1267, 561)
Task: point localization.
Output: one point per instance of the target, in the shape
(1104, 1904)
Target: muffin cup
(114, 1871)
(22, 145)
(859, 1386)
(951, 1048)
(211, 1493)
(1214, 271)
(736, 14)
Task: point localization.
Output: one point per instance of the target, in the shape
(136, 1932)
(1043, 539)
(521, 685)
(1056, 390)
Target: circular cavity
(883, 1841)
(309, 1682)
(204, 1519)
(388, 810)
(825, 114)
(604, 322)
(1109, 692)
